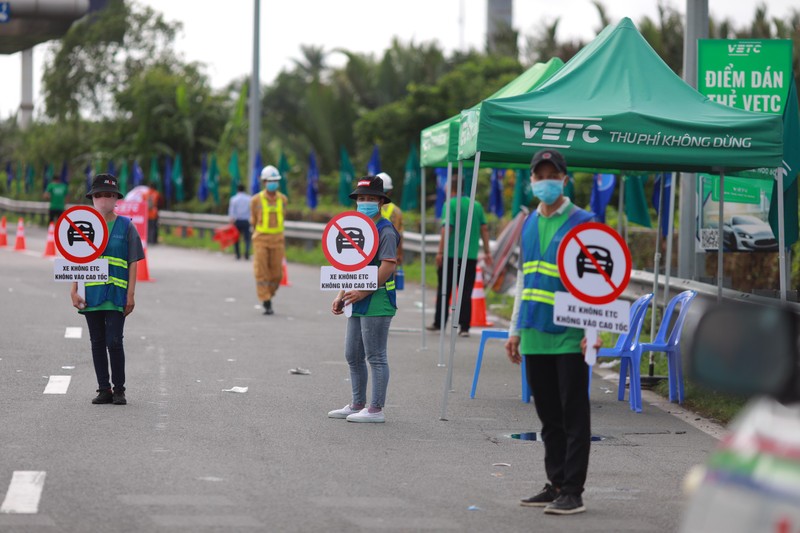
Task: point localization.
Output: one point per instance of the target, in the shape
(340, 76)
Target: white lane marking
(57, 385)
(24, 492)
(73, 333)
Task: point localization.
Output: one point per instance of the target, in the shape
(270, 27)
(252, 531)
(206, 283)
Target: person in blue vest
(554, 355)
(106, 304)
(372, 312)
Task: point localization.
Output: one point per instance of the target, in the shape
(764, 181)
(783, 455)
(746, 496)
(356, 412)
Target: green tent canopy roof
(439, 143)
(616, 104)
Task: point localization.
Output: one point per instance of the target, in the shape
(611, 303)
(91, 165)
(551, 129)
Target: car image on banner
(748, 233)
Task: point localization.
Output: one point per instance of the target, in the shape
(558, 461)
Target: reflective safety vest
(540, 271)
(387, 210)
(362, 306)
(116, 252)
(266, 209)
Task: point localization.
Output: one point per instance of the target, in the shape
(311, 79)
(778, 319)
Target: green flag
(790, 169)
(411, 182)
(635, 201)
(29, 174)
(123, 177)
(233, 169)
(213, 179)
(155, 178)
(19, 179)
(177, 178)
(523, 196)
(346, 175)
(283, 170)
(48, 175)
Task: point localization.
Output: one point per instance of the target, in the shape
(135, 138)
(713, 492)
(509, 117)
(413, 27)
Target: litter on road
(240, 390)
(300, 371)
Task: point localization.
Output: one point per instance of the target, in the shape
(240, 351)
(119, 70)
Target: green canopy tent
(616, 104)
(439, 148)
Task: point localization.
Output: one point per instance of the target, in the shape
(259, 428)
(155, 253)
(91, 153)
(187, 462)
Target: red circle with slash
(594, 263)
(350, 241)
(81, 234)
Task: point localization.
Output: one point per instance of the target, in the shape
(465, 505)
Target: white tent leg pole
(454, 274)
(443, 288)
(423, 258)
(621, 204)
(720, 267)
(457, 312)
(656, 268)
(781, 236)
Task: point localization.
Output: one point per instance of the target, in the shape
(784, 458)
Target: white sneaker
(365, 416)
(344, 412)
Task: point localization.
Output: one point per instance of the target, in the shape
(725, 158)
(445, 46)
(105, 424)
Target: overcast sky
(219, 34)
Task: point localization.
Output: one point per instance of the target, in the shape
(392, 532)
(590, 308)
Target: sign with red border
(594, 263)
(350, 241)
(81, 234)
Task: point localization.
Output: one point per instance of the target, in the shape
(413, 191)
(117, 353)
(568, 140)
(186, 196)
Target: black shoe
(463, 333)
(566, 504)
(119, 396)
(433, 327)
(103, 396)
(547, 496)
(268, 307)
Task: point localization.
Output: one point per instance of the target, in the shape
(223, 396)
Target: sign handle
(348, 310)
(591, 353)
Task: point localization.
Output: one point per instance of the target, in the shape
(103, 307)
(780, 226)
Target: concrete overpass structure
(26, 23)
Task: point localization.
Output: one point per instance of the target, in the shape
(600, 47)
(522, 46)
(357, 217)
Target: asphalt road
(185, 456)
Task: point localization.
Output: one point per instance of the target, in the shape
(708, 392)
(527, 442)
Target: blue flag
(664, 203)
(64, 173)
(441, 191)
(9, 176)
(602, 189)
(88, 173)
(255, 176)
(111, 168)
(168, 182)
(202, 190)
(496, 192)
(374, 165)
(138, 174)
(312, 178)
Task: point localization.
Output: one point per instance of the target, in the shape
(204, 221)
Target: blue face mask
(272, 186)
(548, 191)
(368, 208)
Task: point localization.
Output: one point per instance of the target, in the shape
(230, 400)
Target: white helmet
(387, 181)
(270, 173)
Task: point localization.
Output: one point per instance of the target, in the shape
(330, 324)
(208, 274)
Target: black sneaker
(268, 307)
(547, 496)
(103, 396)
(118, 398)
(433, 327)
(566, 504)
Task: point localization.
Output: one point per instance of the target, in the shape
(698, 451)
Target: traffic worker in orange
(153, 203)
(393, 213)
(267, 210)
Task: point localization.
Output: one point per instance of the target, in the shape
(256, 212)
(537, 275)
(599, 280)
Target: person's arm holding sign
(385, 270)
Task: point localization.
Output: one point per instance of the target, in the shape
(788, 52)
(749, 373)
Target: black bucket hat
(371, 185)
(104, 183)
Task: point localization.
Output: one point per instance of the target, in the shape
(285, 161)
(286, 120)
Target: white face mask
(104, 205)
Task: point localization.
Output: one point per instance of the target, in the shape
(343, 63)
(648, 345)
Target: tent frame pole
(423, 258)
(782, 263)
(720, 233)
(457, 312)
(443, 287)
(656, 268)
(454, 292)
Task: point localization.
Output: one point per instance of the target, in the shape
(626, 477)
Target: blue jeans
(244, 235)
(105, 334)
(366, 342)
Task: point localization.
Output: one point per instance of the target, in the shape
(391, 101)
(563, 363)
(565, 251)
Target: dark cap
(551, 156)
(104, 183)
(372, 185)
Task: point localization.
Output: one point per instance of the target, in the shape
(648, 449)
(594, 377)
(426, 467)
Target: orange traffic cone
(285, 279)
(19, 244)
(479, 302)
(142, 272)
(50, 247)
(3, 232)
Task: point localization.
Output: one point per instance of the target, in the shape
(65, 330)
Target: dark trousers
(152, 231)
(105, 334)
(53, 215)
(560, 385)
(244, 234)
(465, 317)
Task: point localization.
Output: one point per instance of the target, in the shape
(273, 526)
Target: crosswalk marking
(57, 385)
(73, 333)
(24, 492)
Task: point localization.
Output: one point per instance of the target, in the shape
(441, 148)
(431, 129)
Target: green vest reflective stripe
(543, 267)
(266, 209)
(116, 261)
(538, 295)
(390, 285)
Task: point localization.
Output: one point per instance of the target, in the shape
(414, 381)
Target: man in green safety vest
(267, 211)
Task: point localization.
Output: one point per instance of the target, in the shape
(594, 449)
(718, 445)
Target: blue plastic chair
(629, 350)
(672, 345)
(497, 334)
